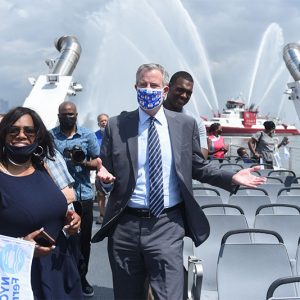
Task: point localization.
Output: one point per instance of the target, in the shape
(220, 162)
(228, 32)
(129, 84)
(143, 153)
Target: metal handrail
(195, 277)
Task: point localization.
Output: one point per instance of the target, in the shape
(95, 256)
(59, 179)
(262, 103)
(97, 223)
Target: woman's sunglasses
(27, 130)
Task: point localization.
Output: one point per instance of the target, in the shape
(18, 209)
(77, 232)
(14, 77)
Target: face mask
(20, 155)
(271, 133)
(219, 132)
(67, 122)
(149, 99)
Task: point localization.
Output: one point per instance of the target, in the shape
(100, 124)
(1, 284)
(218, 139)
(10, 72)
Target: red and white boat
(237, 119)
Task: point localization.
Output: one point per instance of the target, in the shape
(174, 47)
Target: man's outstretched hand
(245, 178)
(103, 174)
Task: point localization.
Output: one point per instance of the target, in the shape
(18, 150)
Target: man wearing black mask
(80, 149)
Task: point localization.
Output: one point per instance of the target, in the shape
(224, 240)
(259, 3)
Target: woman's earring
(39, 151)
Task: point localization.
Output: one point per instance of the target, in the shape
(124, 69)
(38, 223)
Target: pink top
(217, 143)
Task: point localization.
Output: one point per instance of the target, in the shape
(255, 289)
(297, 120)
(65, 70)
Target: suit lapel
(174, 131)
(131, 125)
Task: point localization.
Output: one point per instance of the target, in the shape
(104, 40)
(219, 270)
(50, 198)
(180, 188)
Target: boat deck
(99, 275)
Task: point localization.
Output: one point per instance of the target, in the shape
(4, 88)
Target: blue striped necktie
(156, 192)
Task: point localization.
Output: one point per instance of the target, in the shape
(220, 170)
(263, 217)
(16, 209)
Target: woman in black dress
(30, 200)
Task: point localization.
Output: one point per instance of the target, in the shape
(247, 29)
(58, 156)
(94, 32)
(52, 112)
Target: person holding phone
(33, 207)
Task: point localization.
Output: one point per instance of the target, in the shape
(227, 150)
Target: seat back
(245, 271)
(286, 225)
(283, 175)
(209, 200)
(206, 191)
(251, 191)
(223, 193)
(272, 189)
(220, 209)
(249, 205)
(278, 283)
(285, 298)
(298, 259)
(231, 167)
(271, 179)
(208, 252)
(289, 191)
(289, 199)
(265, 169)
(217, 163)
(295, 192)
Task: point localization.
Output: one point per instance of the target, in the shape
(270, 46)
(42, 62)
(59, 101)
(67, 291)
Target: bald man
(80, 148)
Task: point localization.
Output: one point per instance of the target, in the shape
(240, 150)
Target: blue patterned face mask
(149, 99)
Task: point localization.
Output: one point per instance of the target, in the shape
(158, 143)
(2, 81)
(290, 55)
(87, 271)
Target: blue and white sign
(15, 268)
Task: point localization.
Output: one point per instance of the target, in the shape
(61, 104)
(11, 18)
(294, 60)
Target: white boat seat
(276, 285)
(251, 191)
(245, 271)
(286, 225)
(208, 200)
(249, 205)
(272, 189)
(208, 252)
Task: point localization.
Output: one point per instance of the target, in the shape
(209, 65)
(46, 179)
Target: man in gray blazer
(154, 153)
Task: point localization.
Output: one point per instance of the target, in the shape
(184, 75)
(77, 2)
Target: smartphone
(44, 239)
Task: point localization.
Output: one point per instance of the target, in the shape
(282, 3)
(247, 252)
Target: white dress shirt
(140, 196)
(201, 127)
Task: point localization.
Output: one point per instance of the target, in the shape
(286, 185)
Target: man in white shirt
(151, 155)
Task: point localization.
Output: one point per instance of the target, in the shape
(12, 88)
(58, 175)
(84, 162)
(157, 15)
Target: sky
(217, 41)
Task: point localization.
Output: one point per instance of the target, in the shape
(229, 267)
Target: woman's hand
(225, 148)
(73, 222)
(39, 250)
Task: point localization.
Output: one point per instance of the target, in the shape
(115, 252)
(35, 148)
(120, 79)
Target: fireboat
(237, 119)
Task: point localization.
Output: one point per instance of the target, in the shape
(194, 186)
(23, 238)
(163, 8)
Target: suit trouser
(86, 234)
(141, 249)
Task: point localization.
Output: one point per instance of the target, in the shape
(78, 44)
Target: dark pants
(143, 249)
(85, 235)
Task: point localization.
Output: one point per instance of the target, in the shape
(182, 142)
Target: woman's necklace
(5, 168)
(14, 163)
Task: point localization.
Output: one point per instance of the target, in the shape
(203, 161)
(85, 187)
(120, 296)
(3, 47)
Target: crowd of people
(145, 162)
(263, 146)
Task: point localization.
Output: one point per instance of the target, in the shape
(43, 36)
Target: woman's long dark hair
(43, 137)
